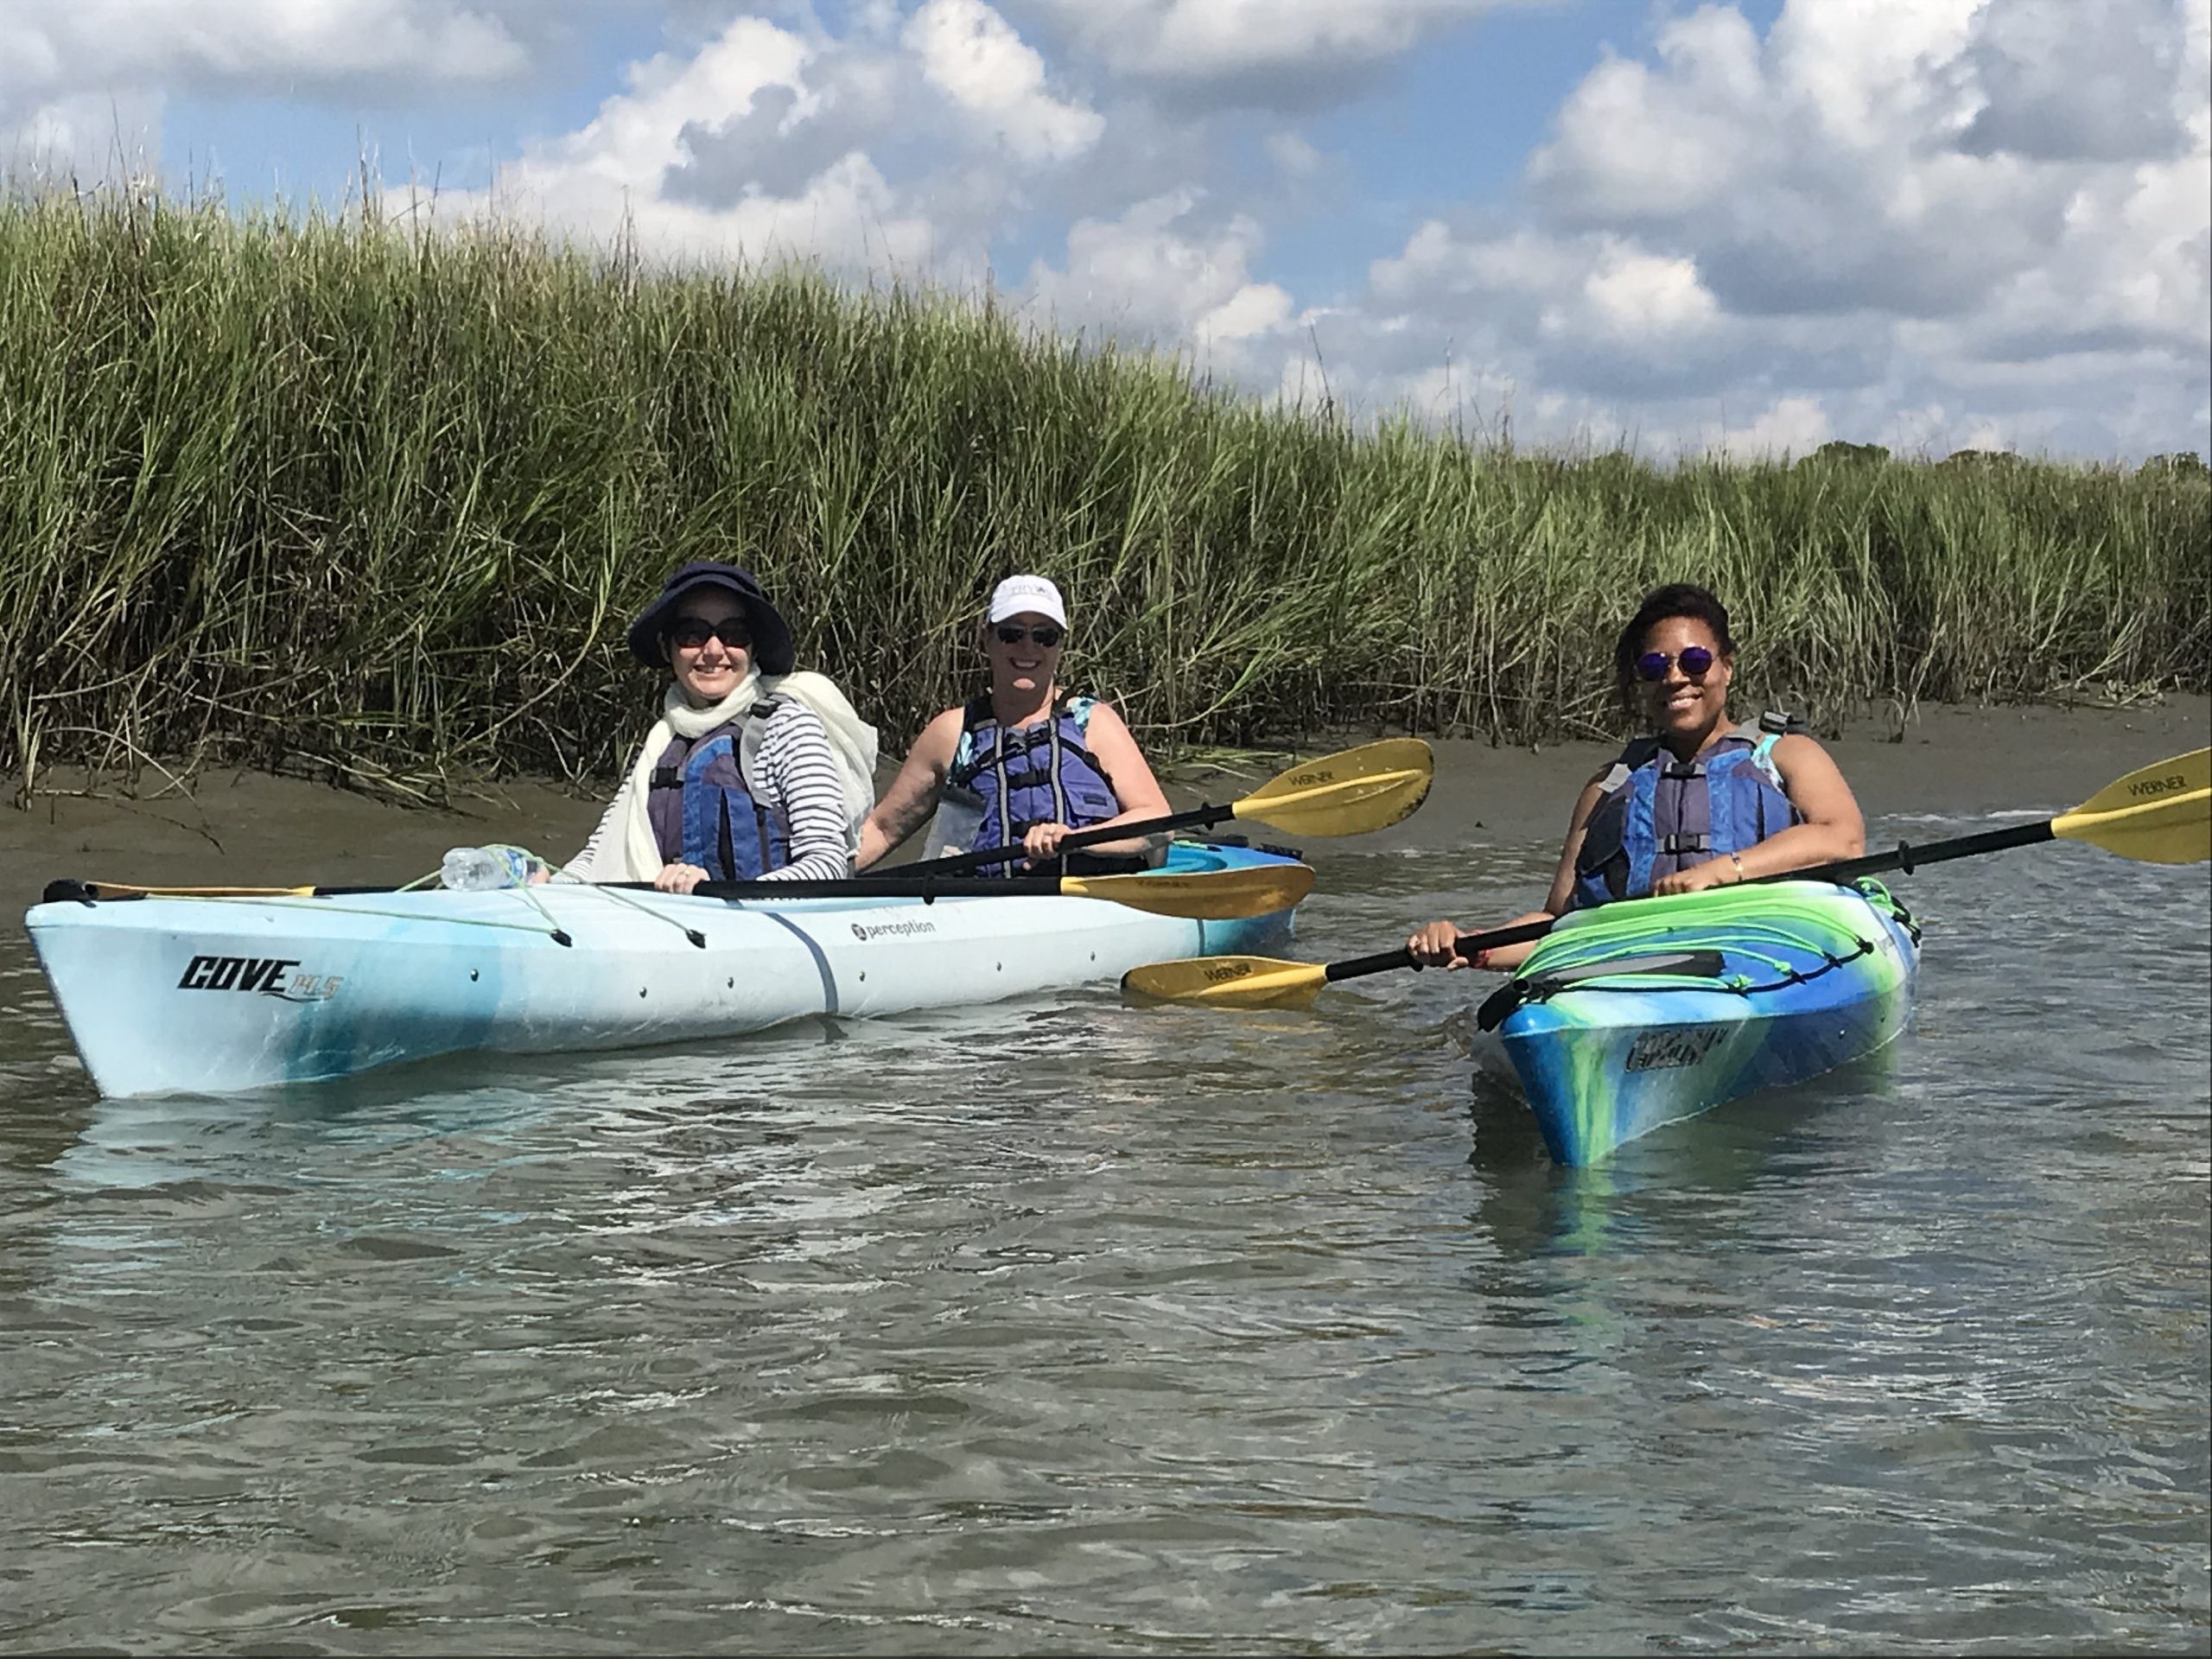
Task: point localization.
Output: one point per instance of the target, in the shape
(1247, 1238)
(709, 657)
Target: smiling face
(1022, 664)
(709, 645)
(1682, 708)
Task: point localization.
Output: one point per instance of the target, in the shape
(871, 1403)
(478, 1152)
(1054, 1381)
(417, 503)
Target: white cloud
(1827, 170)
(83, 83)
(1161, 271)
(1580, 288)
(85, 137)
(1284, 52)
(968, 51)
(51, 49)
(637, 136)
(611, 177)
(1631, 294)
(2066, 83)
(763, 143)
(1869, 72)
(1793, 426)
(1254, 309)
(1297, 158)
(1436, 260)
(1635, 141)
(1881, 201)
(1917, 222)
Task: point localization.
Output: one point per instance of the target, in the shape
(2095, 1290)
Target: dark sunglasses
(1011, 633)
(692, 632)
(1696, 661)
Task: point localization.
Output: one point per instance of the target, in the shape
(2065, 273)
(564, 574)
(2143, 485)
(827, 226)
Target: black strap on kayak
(1688, 964)
(1803, 976)
(1710, 963)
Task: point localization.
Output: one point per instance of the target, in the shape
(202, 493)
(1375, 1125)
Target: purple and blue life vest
(1040, 773)
(704, 810)
(1660, 815)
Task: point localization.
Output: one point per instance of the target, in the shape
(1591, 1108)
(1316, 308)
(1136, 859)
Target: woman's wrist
(1737, 859)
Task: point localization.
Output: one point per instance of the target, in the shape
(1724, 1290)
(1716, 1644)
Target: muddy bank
(248, 829)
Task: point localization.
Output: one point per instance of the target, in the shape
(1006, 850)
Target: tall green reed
(308, 492)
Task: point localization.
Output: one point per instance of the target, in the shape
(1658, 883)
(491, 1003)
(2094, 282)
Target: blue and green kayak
(1637, 1015)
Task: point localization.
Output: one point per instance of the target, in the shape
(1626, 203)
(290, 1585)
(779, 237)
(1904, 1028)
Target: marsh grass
(314, 494)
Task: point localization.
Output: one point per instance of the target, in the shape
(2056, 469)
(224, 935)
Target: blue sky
(1932, 224)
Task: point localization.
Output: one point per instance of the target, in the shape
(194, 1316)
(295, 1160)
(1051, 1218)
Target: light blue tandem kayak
(209, 994)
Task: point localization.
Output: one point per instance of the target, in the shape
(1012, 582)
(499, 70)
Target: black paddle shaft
(1467, 944)
(893, 885)
(1903, 856)
(1907, 857)
(958, 863)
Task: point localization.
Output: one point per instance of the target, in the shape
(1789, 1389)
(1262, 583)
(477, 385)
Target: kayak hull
(1636, 1015)
(205, 995)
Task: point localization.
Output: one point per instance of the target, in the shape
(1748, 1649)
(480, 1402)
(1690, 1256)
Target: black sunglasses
(693, 631)
(1012, 633)
(1696, 661)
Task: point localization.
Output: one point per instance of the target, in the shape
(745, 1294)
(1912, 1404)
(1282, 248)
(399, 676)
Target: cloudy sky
(1930, 224)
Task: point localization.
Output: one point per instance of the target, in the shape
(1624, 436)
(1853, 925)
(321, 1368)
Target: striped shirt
(798, 773)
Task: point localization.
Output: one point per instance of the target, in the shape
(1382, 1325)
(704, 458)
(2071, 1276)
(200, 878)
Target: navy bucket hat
(772, 635)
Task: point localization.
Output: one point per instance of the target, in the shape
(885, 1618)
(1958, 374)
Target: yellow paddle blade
(1230, 981)
(1348, 793)
(2160, 814)
(1202, 895)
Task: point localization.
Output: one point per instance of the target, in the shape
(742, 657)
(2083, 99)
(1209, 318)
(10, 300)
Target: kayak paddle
(2159, 814)
(1203, 895)
(1350, 792)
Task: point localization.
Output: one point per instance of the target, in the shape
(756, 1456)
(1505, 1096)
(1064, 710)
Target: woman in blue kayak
(1700, 802)
(752, 771)
(1025, 763)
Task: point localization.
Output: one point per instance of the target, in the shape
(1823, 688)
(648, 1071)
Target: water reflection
(1069, 1326)
(1697, 1173)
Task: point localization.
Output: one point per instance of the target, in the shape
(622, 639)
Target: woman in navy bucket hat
(754, 771)
(772, 635)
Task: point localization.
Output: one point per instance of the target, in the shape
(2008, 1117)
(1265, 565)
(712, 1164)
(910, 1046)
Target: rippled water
(1074, 1327)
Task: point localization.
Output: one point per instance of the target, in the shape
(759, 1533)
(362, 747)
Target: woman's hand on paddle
(1723, 872)
(1437, 945)
(1043, 840)
(679, 878)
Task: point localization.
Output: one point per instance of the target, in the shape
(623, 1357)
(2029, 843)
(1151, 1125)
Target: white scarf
(852, 741)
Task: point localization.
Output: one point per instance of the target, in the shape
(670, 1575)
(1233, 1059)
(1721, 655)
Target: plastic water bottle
(479, 869)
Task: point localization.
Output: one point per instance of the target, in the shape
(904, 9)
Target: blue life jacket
(1043, 773)
(703, 808)
(1660, 815)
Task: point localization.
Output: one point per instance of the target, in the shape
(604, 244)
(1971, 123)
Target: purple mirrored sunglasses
(1696, 661)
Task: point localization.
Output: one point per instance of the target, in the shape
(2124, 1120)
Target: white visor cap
(1019, 593)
